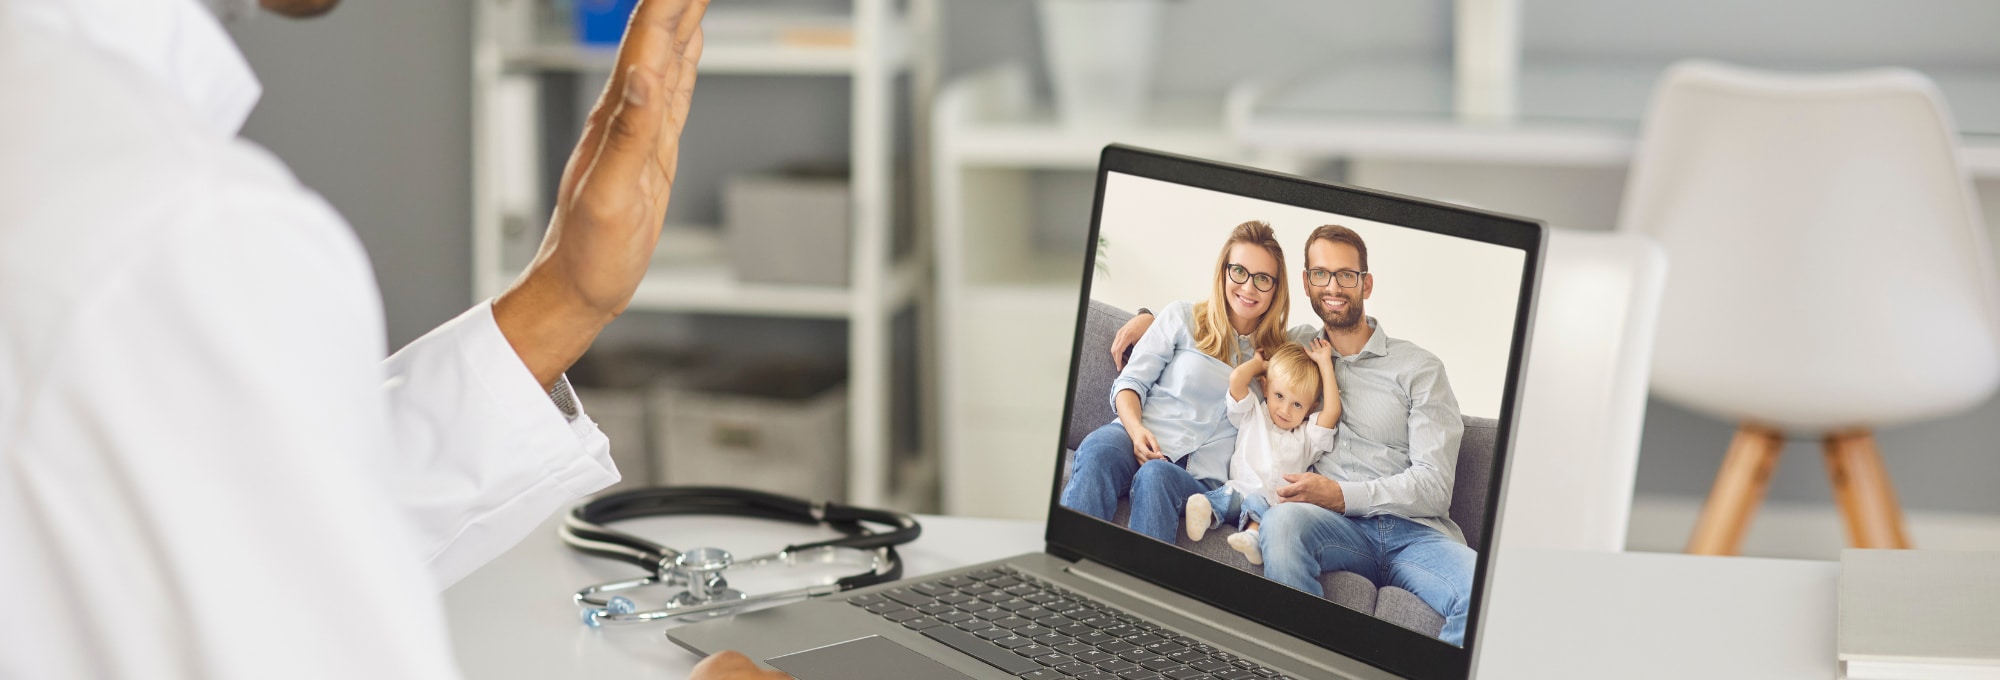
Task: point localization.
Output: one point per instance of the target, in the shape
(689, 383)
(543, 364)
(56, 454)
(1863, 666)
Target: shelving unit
(511, 53)
(1007, 307)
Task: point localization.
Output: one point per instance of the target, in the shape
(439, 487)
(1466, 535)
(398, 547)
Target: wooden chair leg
(1861, 487)
(1739, 489)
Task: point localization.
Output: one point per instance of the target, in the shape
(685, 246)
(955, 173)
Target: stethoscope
(699, 571)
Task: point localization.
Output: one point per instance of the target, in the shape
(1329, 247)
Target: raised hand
(1256, 364)
(613, 195)
(1320, 351)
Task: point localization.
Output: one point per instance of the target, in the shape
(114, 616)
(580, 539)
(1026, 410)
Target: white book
(1909, 614)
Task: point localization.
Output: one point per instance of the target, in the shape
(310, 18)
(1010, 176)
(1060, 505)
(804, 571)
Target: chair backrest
(1583, 406)
(1830, 265)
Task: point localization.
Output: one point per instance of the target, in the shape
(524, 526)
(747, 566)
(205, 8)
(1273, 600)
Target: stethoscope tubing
(583, 530)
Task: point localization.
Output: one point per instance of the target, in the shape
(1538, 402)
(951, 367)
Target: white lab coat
(207, 468)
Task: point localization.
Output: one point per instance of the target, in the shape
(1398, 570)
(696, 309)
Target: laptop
(1388, 580)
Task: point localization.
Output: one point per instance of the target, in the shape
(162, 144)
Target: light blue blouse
(1183, 393)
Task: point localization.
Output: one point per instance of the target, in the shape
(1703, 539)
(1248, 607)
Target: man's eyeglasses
(1263, 282)
(1348, 278)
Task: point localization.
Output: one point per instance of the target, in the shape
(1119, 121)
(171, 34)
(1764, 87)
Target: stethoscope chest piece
(703, 567)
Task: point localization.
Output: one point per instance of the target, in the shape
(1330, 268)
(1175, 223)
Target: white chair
(1831, 274)
(1569, 479)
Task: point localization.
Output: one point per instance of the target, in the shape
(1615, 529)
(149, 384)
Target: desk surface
(1554, 614)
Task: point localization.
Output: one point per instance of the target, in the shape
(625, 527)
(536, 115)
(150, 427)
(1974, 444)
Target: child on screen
(1274, 437)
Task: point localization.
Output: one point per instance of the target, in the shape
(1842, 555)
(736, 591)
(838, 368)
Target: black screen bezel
(1073, 535)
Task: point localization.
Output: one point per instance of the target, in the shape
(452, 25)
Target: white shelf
(741, 53)
(991, 123)
(715, 288)
(1042, 142)
(716, 58)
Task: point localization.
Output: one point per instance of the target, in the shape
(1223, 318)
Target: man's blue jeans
(1301, 541)
(1104, 470)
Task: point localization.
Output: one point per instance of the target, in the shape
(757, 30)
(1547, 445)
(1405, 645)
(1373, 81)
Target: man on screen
(1379, 504)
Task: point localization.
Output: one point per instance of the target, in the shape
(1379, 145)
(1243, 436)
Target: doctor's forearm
(546, 331)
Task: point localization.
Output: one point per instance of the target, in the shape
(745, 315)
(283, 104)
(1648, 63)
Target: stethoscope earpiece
(618, 604)
(700, 571)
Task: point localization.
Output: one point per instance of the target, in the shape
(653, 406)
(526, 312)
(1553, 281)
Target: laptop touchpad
(870, 658)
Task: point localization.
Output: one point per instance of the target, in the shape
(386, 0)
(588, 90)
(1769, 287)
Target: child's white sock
(1246, 542)
(1199, 514)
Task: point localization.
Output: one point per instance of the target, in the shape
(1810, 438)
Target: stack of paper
(1907, 614)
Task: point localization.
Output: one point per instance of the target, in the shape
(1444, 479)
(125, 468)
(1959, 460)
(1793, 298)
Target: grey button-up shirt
(1397, 453)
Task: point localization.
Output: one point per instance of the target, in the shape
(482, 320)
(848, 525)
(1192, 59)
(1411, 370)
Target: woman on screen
(1172, 437)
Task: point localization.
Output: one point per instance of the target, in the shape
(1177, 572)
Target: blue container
(602, 22)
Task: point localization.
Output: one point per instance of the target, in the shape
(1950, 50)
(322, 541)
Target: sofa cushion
(1350, 590)
(1401, 607)
(1091, 408)
(1473, 475)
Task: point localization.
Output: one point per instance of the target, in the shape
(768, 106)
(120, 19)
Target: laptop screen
(1306, 385)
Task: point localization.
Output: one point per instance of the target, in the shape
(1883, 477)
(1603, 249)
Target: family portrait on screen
(1267, 416)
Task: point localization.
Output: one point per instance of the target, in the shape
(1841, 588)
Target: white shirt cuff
(1359, 498)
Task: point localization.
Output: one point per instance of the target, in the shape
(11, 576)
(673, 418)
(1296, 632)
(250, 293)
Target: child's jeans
(1236, 509)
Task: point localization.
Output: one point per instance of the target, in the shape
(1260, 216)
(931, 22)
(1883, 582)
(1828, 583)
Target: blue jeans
(1101, 472)
(1236, 509)
(1301, 541)
(1105, 470)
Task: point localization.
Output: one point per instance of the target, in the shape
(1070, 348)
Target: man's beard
(1338, 320)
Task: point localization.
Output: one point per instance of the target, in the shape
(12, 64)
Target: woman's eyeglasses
(1348, 278)
(1239, 274)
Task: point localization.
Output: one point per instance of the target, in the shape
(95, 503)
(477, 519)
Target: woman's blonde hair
(1291, 367)
(1212, 333)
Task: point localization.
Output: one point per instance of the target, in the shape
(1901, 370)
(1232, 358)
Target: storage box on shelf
(788, 228)
(767, 428)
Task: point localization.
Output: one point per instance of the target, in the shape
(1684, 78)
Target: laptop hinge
(1109, 577)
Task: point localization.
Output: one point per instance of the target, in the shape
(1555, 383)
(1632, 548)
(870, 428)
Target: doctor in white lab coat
(207, 467)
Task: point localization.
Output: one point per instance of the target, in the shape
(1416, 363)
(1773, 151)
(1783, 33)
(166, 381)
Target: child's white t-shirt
(1264, 453)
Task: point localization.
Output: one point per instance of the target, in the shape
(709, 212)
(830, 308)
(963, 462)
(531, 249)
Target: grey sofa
(1396, 605)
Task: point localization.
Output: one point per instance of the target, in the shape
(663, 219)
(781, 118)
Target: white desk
(1554, 614)
(1567, 113)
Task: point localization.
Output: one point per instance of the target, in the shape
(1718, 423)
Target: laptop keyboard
(1037, 630)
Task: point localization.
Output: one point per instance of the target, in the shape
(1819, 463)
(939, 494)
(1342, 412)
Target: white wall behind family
(1448, 295)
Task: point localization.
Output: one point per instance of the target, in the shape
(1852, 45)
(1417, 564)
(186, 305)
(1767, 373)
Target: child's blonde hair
(1291, 367)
